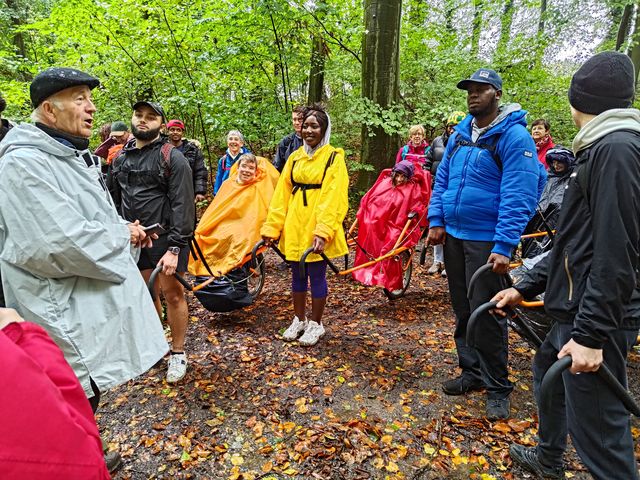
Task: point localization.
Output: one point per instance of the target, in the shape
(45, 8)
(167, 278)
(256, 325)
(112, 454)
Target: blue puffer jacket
(473, 199)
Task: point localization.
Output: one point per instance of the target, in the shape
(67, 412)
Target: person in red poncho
(541, 133)
(47, 429)
(383, 213)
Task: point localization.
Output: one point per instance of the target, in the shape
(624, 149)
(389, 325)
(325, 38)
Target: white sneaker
(294, 330)
(312, 334)
(443, 274)
(435, 268)
(177, 367)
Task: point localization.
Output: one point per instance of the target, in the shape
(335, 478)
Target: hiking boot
(527, 458)
(498, 408)
(443, 274)
(461, 385)
(435, 268)
(177, 367)
(113, 461)
(312, 334)
(294, 330)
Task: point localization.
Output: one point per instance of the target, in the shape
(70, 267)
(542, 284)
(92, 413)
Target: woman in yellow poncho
(230, 226)
(307, 209)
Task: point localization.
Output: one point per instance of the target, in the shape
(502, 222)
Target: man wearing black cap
(65, 253)
(151, 180)
(590, 280)
(486, 190)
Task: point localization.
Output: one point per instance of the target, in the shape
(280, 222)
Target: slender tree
(380, 79)
(478, 10)
(623, 26)
(316, 70)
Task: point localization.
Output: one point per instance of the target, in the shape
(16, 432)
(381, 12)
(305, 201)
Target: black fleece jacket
(590, 277)
(142, 189)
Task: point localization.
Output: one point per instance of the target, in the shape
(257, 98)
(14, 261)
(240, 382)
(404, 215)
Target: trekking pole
(550, 383)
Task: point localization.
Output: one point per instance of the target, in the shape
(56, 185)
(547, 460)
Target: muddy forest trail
(365, 403)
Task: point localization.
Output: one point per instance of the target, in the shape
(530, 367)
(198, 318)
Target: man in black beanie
(590, 280)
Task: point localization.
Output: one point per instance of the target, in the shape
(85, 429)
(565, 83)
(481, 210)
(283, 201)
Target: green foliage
(222, 65)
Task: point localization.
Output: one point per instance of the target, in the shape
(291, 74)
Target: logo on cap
(483, 74)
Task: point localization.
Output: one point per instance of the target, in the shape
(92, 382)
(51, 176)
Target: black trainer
(461, 385)
(527, 458)
(113, 461)
(498, 408)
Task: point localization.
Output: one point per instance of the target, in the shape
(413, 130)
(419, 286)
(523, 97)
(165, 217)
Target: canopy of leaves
(222, 65)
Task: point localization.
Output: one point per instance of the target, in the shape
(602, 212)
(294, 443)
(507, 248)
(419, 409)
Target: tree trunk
(506, 21)
(477, 27)
(623, 27)
(316, 71)
(449, 11)
(543, 16)
(380, 80)
(635, 43)
(17, 21)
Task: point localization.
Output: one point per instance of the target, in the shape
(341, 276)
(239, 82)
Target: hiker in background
(416, 148)
(117, 137)
(291, 142)
(307, 209)
(434, 157)
(541, 133)
(193, 154)
(235, 148)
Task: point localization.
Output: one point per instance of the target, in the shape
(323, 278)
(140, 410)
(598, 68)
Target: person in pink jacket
(416, 148)
(47, 428)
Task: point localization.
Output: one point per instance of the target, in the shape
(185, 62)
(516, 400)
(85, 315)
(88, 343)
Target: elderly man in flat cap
(65, 253)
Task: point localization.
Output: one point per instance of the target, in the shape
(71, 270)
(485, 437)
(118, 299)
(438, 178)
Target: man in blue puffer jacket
(486, 190)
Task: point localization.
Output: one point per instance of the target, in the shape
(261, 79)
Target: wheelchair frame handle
(488, 267)
(303, 263)
(550, 382)
(154, 276)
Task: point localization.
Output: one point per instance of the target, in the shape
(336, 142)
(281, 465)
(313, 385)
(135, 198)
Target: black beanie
(605, 81)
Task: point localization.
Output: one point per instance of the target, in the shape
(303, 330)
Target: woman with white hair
(235, 149)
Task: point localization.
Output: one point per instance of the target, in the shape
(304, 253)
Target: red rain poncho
(383, 213)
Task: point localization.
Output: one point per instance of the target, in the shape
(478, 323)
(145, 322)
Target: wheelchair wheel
(407, 269)
(255, 282)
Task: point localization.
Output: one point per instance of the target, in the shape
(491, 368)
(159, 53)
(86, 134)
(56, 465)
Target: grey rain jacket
(67, 264)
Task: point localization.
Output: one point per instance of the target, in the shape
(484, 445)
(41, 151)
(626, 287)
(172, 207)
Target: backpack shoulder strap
(165, 158)
(490, 147)
(405, 150)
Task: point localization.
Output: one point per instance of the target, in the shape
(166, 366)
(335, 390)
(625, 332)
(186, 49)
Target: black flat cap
(156, 107)
(56, 79)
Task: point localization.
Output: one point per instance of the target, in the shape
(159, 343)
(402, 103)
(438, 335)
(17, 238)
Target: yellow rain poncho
(230, 226)
(296, 224)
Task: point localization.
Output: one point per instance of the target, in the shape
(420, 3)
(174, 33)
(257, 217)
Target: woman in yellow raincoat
(307, 209)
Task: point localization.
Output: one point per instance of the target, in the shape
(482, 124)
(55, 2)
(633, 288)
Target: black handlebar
(303, 264)
(154, 275)
(550, 383)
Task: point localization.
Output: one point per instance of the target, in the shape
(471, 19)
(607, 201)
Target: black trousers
(95, 400)
(487, 360)
(599, 425)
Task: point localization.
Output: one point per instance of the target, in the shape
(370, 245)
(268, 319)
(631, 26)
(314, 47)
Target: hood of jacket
(508, 114)
(27, 135)
(607, 122)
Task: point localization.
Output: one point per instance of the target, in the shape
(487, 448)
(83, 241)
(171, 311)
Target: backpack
(491, 148)
(165, 158)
